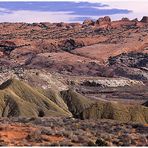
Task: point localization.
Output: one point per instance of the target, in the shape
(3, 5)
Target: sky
(71, 10)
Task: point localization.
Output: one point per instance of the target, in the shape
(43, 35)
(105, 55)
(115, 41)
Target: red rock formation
(99, 42)
(104, 21)
(144, 19)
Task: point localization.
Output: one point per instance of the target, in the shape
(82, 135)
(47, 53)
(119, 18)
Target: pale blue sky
(71, 10)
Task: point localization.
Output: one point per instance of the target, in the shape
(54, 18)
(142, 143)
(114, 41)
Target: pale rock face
(116, 82)
(34, 77)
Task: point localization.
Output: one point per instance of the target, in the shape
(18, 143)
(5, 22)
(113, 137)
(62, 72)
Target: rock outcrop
(132, 65)
(144, 19)
(88, 22)
(103, 21)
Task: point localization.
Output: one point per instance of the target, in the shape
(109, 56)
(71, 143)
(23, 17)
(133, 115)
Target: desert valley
(74, 84)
